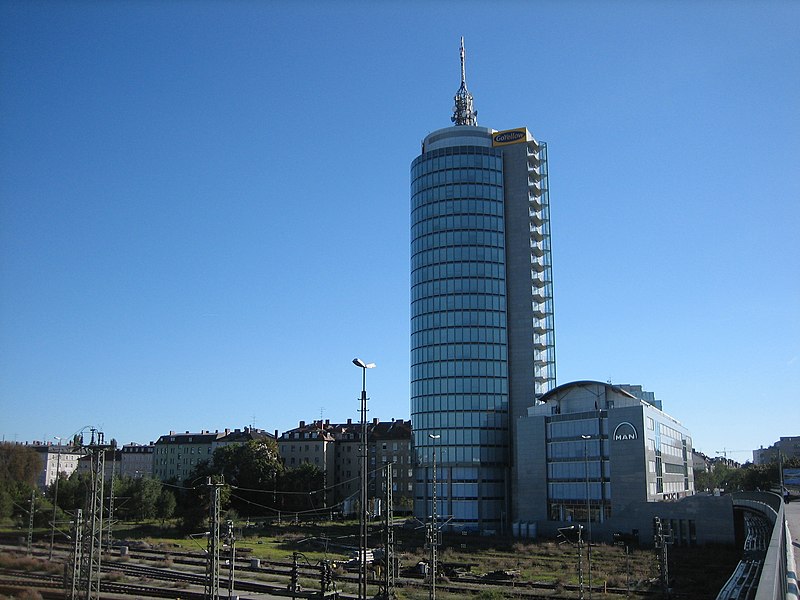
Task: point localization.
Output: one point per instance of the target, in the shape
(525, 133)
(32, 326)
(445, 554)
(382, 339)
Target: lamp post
(433, 536)
(586, 439)
(362, 513)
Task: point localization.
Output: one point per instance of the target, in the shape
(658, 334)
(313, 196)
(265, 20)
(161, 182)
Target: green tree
(165, 505)
(144, 493)
(6, 503)
(251, 472)
(19, 467)
(302, 489)
(71, 491)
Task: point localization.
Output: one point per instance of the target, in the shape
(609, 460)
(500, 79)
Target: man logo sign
(625, 431)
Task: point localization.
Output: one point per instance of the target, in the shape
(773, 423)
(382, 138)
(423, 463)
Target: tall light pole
(362, 513)
(586, 439)
(434, 533)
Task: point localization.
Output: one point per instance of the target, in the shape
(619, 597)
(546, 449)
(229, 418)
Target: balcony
(537, 268)
(538, 282)
(538, 311)
(540, 328)
(535, 216)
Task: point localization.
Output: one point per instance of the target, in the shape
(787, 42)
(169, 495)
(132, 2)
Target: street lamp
(586, 439)
(433, 535)
(362, 517)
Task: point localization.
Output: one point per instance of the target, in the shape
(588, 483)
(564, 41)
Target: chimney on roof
(237, 430)
(375, 421)
(172, 432)
(327, 421)
(349, 421)
(187, 431)
(276, 434)
(302, 423)
(227, 431)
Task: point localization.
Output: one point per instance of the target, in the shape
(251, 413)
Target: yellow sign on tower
(509, 136)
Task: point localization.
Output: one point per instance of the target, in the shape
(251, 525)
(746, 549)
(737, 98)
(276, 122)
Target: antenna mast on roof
(464, 112)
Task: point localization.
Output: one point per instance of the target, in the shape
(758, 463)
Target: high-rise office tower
(482, 330)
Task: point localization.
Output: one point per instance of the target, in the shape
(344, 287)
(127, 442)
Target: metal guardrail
(772, 581)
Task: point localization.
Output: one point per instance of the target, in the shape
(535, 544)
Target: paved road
(792, 512)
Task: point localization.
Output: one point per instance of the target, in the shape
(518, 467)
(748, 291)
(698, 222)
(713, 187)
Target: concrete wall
(712, 517)
(531, 465)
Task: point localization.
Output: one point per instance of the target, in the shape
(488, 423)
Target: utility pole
(74, 573)
(31, 511)
(388, 540)
(92, 535)
(433, 530)
(586, 439)
(563, 533)
(662, 541)
(580, 562)
(294, 581)
(55, 500)
(212, 556)
(232, 570)
(111, 501)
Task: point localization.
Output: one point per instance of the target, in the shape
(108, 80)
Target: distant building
(56, 458)
(111, 464)
(334, 449)
(701, 462)
(601, 438)
(390, 443)
(136, 460)
(789, 447)
(175, 455)
(312, 444)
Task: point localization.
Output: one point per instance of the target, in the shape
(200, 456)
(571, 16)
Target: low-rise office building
(596, 453)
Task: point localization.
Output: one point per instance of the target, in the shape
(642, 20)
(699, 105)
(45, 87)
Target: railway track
(743, 583)
(283, 569)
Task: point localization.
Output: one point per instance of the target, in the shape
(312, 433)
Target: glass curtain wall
(459, 353)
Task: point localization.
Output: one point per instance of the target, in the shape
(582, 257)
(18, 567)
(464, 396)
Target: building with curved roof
(604, 442)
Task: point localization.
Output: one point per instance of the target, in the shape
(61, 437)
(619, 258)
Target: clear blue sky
(204, 206)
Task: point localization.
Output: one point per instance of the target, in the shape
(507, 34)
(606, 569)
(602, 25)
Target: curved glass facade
(459, 345)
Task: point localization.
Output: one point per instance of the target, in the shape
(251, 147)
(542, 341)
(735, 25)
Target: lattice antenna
(464, 112)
